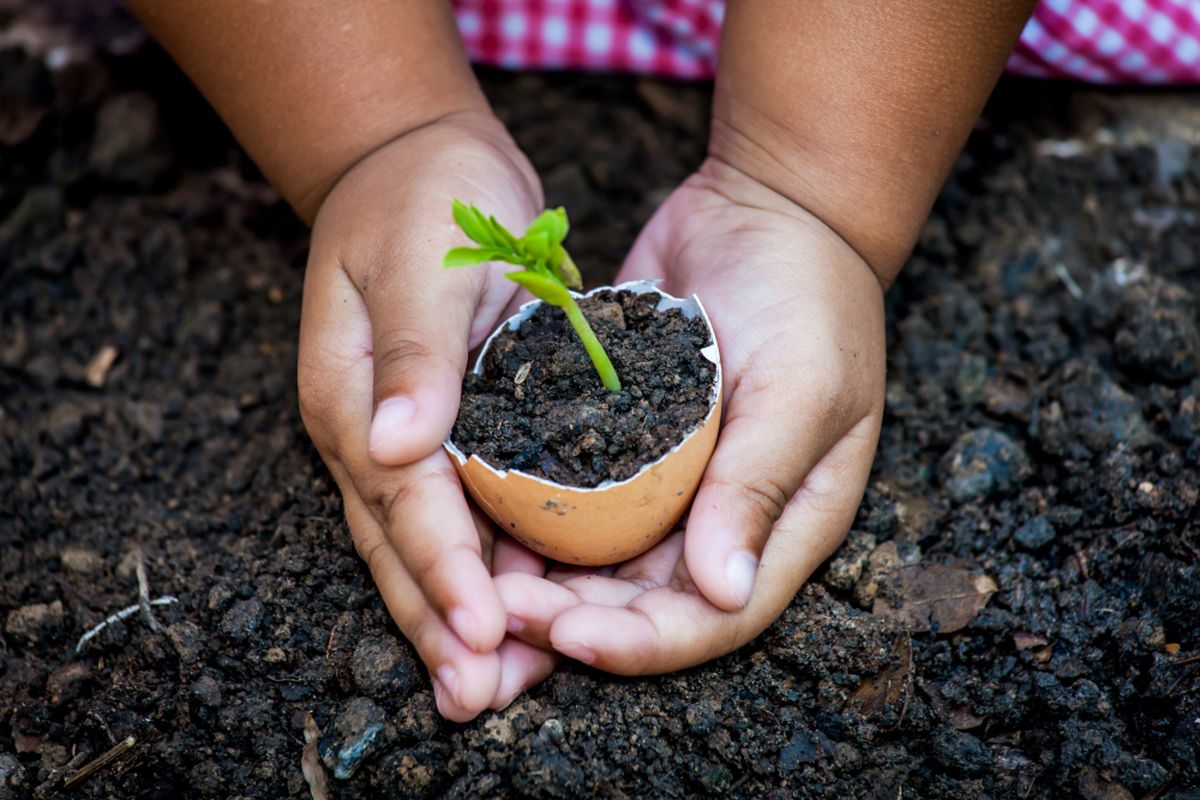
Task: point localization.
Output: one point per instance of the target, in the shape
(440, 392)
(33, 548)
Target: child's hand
(383, 346)
(799, 318)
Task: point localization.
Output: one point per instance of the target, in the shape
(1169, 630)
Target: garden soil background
(1014, 614)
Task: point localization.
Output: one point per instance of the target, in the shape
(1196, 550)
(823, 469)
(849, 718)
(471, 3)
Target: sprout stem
(579, 322)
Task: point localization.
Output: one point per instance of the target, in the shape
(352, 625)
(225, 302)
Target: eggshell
(616, 520)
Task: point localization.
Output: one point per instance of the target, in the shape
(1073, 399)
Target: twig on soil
(51, 783)
(1061, 271)
(310, 762)
(1082, 560)
(123, 614)
(144, 593)
(738, 783)
(101, 761)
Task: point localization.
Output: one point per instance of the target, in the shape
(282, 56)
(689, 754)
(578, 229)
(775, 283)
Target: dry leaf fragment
(1024, 641)
(522, 373)
(934, 597)
(961, 719)
(886, 688)
(310, 762)
(96, 372)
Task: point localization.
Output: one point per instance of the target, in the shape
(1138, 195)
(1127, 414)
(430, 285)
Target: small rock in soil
(1037, 532)
(243, 618)
(847, 565)
(982, 463)
(800, 749)
(129, 145)
(960, 752)
(380, 668)
(12, 775)
(887, 557)
(188, 641)
(66, 683)
(34, 622)
(81, 560)
(352, 737)
(207, 691)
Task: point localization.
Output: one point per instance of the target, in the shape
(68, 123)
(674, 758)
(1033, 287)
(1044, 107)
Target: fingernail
(515, 624)
(465, 624)
(448, 677)
(740, 569)
(391, 417)
(577, 651)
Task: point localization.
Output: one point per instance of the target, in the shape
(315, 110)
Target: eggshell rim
(712, 352)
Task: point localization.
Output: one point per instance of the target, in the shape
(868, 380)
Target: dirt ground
(1014, 614)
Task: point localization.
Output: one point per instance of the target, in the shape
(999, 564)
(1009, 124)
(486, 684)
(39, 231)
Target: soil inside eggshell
(538, 405)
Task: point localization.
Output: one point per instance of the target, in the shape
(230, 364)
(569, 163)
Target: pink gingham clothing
(1097, 41)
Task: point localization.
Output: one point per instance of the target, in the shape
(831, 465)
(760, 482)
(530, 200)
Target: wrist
(406, 185)
(472, 129)
(859, 201)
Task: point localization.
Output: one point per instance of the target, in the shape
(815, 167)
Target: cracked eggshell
(616, 520)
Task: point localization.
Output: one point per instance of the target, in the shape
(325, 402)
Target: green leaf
(565, 269)
(473, 223)
(553, 224)
(541, 287)
(469, 256)
(501, 234)
(537, 246)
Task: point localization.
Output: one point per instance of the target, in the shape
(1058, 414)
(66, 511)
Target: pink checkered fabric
(1112, 41)
(1098, 41)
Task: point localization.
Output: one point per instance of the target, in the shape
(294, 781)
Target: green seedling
(548, 274)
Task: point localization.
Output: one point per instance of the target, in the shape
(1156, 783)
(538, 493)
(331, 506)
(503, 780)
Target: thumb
(419, 338)
(762, 458)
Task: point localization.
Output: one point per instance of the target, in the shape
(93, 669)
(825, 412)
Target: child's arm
(311, 88)
(835, 124)
(856, 111)
(366, 115)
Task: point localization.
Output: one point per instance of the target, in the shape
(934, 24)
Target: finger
(664, 629)
(421, 505)
(509, 555)
(431, 528)
(420, 329)
(467, 680)
(787, 406)
(521, 666)
(532, 603)
(333, 372)
(660, 566)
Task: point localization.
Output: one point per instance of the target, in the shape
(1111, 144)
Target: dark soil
(1043, 432)
(538, 406)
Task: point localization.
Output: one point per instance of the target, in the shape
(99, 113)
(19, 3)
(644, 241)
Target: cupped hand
(799, 319)
(384, 337)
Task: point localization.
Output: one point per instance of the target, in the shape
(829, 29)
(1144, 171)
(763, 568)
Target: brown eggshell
(616, 520)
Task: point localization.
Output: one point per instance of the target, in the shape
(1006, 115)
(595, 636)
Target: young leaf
(501, 234)
(469, 256)
(551, 223)
(473, 224)
(536, 245)
(565, 269)
(541, 287)
(547, 274)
